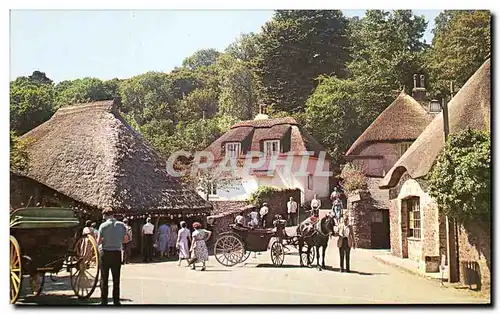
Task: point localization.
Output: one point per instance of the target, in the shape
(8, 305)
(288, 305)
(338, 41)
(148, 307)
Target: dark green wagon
(45, 240)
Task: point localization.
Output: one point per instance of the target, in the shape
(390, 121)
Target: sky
(71, 44)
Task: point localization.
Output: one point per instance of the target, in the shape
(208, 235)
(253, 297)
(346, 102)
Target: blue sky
(107, 44)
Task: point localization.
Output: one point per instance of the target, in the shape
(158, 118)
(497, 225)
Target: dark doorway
(380, 235)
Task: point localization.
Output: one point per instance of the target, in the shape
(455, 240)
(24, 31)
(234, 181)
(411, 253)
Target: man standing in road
(147, 234)
(111, 236)
(292, 208)
(345, 242)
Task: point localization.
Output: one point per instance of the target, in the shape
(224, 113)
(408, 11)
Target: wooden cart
(47, 240)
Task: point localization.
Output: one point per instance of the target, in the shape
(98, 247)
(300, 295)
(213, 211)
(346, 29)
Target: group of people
(114, 238)
(166, 240)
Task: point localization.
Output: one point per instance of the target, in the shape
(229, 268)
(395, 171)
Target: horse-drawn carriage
(46, 240)
(235, 246)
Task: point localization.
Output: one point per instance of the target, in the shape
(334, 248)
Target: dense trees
(333, 74)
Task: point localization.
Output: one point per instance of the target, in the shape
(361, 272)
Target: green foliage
(262, 194)
(294, 48)
(201, 58)
(31, 100)
(460, 180)
(18, 155)
(461, 43)
(353, 178)
(331, 115)
(84, 90)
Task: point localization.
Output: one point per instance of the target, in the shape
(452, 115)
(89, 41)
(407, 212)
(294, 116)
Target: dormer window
(271, 148)
(233, 150)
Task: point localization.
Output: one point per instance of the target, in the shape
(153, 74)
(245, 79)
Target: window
(402, 148)
(414, 227)
(310, 182)
(272, 148)
(434, 106)
(233, 150)
(212, 188)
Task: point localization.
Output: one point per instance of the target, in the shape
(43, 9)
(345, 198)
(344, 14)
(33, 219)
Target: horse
(315, 234)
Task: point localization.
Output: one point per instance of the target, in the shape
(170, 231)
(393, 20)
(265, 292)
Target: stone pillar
(359, 211)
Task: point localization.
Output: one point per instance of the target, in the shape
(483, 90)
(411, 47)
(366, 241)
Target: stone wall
(474, 253)
(221, 207)
(359, 207)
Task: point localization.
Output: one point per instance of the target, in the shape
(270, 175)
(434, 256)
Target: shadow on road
(327, 268)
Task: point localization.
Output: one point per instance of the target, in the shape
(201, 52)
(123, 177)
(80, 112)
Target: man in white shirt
(292, 211)
(240, 220)
(315, 203)
(147, 234)
(264, 210)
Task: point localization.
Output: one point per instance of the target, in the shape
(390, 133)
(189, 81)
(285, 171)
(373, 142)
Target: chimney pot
(414, 81)
(422, 81)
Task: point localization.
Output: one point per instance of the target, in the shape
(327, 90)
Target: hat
(196, 225)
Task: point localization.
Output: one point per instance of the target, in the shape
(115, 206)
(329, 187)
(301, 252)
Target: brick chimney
(419, 93)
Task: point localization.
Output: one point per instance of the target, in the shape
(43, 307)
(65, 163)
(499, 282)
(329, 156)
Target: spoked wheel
(36, 282)
(229, 250)
(245, 256)
(15, 270)
(277, 253)
(305, 258)
(84, 267)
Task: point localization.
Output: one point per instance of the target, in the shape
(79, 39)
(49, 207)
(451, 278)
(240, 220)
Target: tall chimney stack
(414, 81)
(419, 92)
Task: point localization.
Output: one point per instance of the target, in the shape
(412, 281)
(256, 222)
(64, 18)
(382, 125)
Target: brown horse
(315, 235)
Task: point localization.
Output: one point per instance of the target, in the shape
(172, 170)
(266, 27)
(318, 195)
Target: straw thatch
(403, 120)
(252, 134)
(469, 108)
(89, 153)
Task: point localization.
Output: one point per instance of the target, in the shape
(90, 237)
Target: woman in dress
(163, 235)
(199, 247)
(183, 238)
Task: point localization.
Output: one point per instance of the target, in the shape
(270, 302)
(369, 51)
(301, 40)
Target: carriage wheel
(15, 270)
(277, 253)
(245, 256)
(307, 259)
(84, 275)
(36, 282)
(229, 250)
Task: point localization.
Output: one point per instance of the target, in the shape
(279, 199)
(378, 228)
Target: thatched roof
(471, 107)
(251, 134)
(89, 153)
(403, 120)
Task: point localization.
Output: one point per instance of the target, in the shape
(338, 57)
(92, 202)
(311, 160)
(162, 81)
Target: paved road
(258, 282)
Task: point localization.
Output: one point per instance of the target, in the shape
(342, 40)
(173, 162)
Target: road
(258, 282)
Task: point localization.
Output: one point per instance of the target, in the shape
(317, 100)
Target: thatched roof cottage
(376, 151)
(89, 153)
(418, 229)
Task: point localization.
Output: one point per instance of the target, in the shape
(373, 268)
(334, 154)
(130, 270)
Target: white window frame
(414, 217)
(269, 145)
(235, 152)
(212, 188)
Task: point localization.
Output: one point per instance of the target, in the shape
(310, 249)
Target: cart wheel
(245, 256)
(15, 270)
(277, 253)
(229, 250)
(37, 281)
(307, 259)
(84, 273)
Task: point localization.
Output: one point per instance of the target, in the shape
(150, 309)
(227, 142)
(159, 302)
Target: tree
(201, 58)
(18, 155)
(84, 90)
(31, 102)
(460, 180)
(461, 43)
(295, 47)
(245, 48)
(331, 115)
(238, 96)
